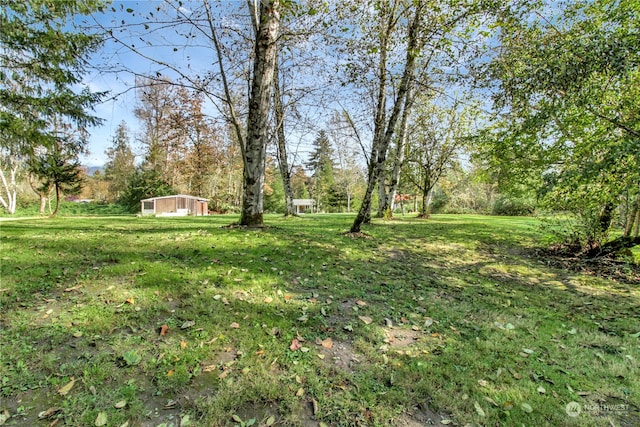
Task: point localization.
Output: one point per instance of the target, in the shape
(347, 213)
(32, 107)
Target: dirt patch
(420, 416)
(401, 338)
(342, 356)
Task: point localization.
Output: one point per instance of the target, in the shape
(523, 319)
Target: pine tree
(321, 166)
(120, 167)
(42, 59)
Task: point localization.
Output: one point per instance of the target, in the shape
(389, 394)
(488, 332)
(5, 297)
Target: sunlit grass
(452, 313)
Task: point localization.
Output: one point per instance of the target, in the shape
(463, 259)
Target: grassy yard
(129, 321)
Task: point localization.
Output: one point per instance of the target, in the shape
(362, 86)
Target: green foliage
(513, 206)
(42, 61)
(121, 164)
(144, 184)
(568, 91)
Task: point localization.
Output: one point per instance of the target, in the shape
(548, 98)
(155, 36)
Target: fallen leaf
(73, 288)
(130, 301)
(270, 421)
(515, 374)
(428, 322)
(121, 404)
(366, 319)
(187, 324)
(526, 408)
(295, 345)
(300, 392)
(361, 303)
(287, 297)
(479, 409)
(183, 344)
(164, 329)
(268, 300)
(170, 373)
(44, 414)
(67, 388)
(327, 343)
(541, 390)
(77, 334)
(235, 325)
(101, 419)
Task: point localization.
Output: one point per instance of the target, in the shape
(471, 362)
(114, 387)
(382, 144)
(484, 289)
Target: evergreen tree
(42, 59)
(58, 168)
(120, 167)
(321, 167)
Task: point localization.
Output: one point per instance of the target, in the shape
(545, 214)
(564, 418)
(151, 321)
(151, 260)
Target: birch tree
(411, 39)
(241, 42)
(434, 137)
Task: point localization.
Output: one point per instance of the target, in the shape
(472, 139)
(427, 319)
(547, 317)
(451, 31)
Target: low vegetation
(188, 322)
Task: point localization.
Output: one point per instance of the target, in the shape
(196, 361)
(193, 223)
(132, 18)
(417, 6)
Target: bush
(513, 206)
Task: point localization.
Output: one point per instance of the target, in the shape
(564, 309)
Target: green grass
(449, 318)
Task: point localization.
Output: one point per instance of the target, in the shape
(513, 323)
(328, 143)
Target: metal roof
(184, 196)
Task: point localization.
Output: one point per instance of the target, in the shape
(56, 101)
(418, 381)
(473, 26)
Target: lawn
(127, 321)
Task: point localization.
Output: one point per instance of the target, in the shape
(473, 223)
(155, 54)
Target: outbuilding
(178, 205)
(303, 205)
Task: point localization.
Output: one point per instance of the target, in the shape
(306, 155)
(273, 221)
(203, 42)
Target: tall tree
(281, 141)
(59, 168)
(321, 166)
(246, 61)
(42, 59)
(267, 24)
(435, 136)
(120, 165)
(158, 105)
(567, 93)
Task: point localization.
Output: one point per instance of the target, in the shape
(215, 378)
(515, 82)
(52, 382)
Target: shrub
(513, 206)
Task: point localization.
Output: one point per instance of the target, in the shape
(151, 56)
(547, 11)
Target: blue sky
(116, 66)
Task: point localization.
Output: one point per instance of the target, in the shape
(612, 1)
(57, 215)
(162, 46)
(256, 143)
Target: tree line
(522, 105)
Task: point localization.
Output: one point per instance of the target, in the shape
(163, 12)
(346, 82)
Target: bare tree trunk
(637, 229)
(426, 189)
(42, 194)
(384, 130)
(257, 136)
(631, 216)
(10, 202)
(58, 194)
(399, 157)
(283, 162)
